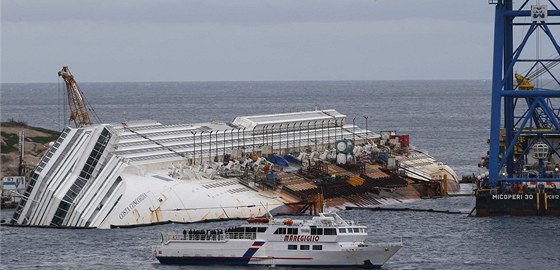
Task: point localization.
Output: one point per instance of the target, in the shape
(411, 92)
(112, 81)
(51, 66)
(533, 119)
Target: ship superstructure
(145, 172)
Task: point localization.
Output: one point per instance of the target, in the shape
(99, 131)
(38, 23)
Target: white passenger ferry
(324, 241)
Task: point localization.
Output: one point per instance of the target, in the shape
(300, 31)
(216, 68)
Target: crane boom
(78, 110)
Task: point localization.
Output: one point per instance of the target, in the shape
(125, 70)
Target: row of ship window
(351, 230)
(320, 231)
(305, 247)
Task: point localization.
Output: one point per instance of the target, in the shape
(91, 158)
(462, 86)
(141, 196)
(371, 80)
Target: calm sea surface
(449, 119)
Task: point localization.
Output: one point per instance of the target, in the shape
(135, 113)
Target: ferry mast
(530, 117)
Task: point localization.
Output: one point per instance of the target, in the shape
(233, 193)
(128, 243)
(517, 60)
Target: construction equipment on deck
(76, 100)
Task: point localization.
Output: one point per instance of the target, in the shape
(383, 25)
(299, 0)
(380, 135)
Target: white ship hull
(421, 166)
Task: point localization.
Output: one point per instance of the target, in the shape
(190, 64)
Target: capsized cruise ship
(145, 172)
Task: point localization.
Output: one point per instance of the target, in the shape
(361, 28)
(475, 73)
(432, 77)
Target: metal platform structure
(530, 117)
(524, 158)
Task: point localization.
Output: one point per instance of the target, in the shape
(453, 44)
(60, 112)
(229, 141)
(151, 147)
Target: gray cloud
(246, 40)
(240, 11)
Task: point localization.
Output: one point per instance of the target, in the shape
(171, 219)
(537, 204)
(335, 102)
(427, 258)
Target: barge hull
(524, 204)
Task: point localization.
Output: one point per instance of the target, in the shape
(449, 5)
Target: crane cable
(544, 68)
(62, 99)
(89, 107)
(58, 105)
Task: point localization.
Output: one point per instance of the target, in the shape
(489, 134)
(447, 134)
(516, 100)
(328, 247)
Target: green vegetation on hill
(10, 140)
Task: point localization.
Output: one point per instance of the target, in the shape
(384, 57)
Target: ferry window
(292, 247)
(292, 230)
(342, 230)
(317, 247)
(330, 231)
(316, 231)
(356, 230)
(250, 229)
(261, 229)
(280, 231)
(304, 247)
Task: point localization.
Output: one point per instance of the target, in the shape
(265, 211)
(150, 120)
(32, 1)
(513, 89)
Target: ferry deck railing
(166, 237)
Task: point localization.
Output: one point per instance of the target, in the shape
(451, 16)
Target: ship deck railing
(167, 237)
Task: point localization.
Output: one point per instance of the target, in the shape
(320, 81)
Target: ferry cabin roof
(300, 229)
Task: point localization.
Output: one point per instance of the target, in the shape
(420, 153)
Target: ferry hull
(213, 261)
(207, 261)
(370, 258)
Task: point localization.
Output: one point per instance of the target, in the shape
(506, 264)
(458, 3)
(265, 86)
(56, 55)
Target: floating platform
(530, 203)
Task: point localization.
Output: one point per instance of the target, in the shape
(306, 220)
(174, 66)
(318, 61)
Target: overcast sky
(211, 40)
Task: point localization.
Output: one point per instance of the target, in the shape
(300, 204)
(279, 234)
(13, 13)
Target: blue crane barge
(524, 158)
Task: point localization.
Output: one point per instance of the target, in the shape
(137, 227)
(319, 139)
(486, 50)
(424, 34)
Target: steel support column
(505, 94)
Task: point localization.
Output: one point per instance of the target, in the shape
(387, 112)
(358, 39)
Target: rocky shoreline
(36, 143)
